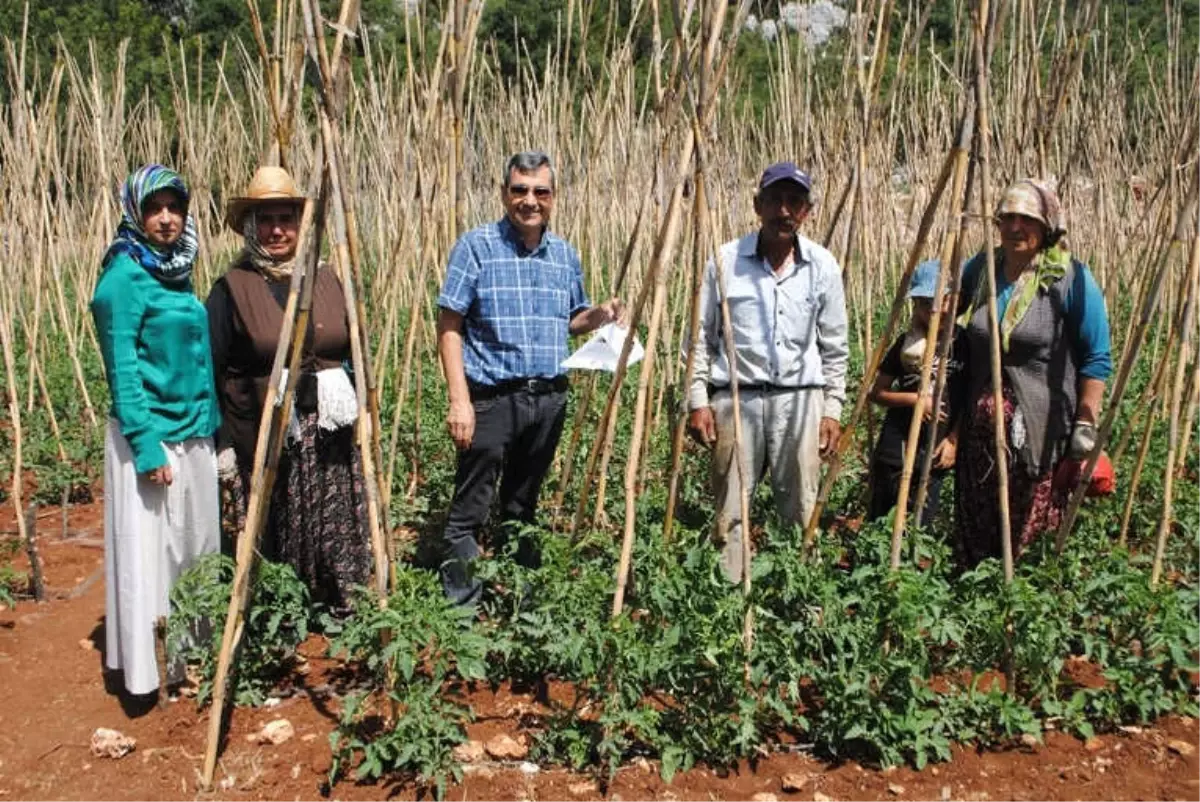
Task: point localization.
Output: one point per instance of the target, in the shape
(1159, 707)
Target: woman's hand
(161, 476)
(945, 454)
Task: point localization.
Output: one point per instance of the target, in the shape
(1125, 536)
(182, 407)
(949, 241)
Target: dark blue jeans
(516, 435)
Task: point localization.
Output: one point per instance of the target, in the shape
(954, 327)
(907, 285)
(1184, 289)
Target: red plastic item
(1104, 478)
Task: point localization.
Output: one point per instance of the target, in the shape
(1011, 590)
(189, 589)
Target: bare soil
(53, 696)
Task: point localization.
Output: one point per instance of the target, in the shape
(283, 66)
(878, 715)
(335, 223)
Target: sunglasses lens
(521, 190)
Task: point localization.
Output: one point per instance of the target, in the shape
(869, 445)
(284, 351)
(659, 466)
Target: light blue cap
(924, 280)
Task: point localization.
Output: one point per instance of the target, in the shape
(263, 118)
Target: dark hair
(527, 161)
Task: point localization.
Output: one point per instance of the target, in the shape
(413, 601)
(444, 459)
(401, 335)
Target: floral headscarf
(1035, 199)
(172, 265)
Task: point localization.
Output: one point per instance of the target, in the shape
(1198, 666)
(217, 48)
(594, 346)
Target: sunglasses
(521, 190)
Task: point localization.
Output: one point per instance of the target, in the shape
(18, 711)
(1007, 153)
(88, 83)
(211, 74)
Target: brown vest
(257, 317)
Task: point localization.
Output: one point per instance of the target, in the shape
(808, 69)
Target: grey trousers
(780, 433)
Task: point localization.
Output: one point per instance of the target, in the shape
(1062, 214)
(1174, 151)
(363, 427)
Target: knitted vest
(1039, 366)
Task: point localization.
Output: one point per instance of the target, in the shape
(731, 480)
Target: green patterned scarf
(1047, 268)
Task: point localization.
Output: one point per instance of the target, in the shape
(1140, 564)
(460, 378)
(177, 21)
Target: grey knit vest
(1039, 366)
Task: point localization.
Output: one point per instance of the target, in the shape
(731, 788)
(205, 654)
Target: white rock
(470, 752)
(582, 788)
(529, 768)
(111, 743)
(795, 781)
(476, 770)
(505, 747)
(1181, 747)
(276, 732)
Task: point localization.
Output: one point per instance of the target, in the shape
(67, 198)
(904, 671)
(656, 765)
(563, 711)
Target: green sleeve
(118, 306)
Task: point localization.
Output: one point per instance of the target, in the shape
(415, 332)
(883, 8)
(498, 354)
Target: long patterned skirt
(318, 519)
(1034, 506)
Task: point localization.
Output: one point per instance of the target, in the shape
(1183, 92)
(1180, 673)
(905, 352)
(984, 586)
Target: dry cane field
(856, 660)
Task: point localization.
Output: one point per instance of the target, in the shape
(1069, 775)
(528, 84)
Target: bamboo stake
(860, 402)
(24, 528)
(1135, 480)
(1182, 228)
(277, 410)
(1185, 340)
(956, 238)
(959, 154)
(984, 143)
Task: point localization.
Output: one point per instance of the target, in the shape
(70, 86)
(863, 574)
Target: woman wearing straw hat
(317, 515)
(160, 471)
(1055, 359)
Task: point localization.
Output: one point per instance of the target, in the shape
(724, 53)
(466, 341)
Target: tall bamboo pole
(1184, 227)
(956, 235)
(344, 233)
(982, 33)
(959, 155)
(872, 367)
(1192, 288)
(271, 433)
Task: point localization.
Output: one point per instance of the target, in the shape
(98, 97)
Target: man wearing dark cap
(788, 317)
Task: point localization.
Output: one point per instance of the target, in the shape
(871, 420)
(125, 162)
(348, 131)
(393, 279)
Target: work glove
(1083, 440)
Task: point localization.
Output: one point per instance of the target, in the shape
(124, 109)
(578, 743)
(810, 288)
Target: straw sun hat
(269, 185)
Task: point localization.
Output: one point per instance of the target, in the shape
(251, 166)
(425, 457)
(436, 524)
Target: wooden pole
(956, 236)
(959, 154)
(272, 428)
(1184, 227)
(860, 402)
(24, 528)
(1185, 341)
(343, 220)
(984, 142)
(1135, 480)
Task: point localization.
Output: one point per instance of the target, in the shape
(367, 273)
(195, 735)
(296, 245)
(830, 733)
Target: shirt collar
(509, 232)
(750, 248)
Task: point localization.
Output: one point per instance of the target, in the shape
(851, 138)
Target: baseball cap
(785, 171)
(924, 280)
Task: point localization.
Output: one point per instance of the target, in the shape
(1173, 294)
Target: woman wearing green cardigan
(160, 472)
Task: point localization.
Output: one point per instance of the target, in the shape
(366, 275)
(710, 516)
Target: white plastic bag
(603, 350)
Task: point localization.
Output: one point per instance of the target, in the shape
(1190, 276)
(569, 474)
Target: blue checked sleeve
(579, 299)
(462, 278)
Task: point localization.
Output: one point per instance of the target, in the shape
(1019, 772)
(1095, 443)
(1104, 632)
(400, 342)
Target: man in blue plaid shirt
(512, 296)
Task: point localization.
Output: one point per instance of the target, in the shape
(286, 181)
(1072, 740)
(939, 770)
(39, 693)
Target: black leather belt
(744, 387)
(482, 392)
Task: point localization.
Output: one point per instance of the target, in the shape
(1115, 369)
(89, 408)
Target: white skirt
(152, 533)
